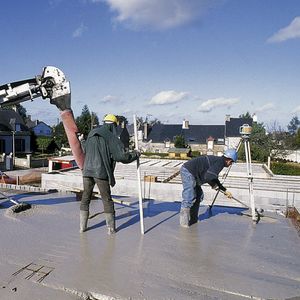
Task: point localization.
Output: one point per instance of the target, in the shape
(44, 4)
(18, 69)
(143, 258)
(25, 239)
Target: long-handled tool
(258, 215)
(18, 206)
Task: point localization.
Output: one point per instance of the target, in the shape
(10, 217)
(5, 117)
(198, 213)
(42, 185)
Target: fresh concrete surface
(270, 192)
(224, 256)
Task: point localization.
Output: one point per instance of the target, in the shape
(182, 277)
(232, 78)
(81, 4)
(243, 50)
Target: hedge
(285, 168)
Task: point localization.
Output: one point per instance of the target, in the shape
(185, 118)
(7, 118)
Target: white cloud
(54, 3)
(265, 107)
(109, 98)
(157, 14)
(210, 104)
(127, 110)
(167, 97)
(79, 31)
(296, 110)
(292, 31)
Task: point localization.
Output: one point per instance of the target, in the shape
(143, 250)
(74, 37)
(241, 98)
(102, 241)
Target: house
(13, 133)
(39, 127)
(196, 136)
(206, 139)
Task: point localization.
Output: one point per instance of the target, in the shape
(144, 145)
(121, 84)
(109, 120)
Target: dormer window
(18, 127)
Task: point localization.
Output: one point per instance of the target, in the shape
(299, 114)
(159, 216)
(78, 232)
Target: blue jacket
(206, 169)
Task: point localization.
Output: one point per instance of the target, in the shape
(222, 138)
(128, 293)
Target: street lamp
(12, 122)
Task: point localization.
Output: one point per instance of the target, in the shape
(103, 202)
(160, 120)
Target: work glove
(228, 194)
(80, 136)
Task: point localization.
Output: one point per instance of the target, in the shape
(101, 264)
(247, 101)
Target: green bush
(195, 153)
(162, 155)
(285, 168)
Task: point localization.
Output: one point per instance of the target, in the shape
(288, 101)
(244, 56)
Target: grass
(285, 168)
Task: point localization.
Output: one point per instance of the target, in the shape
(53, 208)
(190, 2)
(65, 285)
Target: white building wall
(232, 142)
(292, 156)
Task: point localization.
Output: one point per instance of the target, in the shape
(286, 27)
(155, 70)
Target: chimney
(254, 117)
(185, 124)
(145, 130)
(227, 118)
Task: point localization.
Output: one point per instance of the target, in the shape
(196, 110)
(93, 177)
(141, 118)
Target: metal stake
(139, 177)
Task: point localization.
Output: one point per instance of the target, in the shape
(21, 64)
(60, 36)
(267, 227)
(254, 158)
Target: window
(2, 146)
(20, 145)
(18, 127)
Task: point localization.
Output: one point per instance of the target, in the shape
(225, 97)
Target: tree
(122, 119)
(60, 136)
(293, 139)
(86, 121)
(20, 109)
(294, 125)
(179, 141)
(247, 115)
(43, 143)
(259, 144)
(263, 143)
(22, 112)
(150, 121)
(297, 139)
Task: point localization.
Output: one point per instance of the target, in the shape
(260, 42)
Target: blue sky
(197, 60)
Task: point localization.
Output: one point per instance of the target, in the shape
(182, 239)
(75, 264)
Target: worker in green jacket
(102, 150)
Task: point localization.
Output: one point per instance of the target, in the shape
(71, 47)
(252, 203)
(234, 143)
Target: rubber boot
(194, 212)
(184, 217)
(110, 223)
(84, 215)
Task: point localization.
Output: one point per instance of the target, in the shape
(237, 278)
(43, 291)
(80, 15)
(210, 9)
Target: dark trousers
(104, 188)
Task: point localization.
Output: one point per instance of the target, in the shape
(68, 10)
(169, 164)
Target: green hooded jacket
(102, 150)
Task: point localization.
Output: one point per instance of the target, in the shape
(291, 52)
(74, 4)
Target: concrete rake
(18, 206)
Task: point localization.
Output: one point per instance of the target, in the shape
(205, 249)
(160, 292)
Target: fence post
(287, 203)
(28, 160)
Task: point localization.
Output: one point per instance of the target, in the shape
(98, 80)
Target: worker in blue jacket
(194, 173)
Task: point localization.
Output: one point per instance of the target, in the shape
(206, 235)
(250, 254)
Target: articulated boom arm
(51, 84)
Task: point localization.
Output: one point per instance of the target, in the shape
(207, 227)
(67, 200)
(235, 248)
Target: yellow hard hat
(110, 118)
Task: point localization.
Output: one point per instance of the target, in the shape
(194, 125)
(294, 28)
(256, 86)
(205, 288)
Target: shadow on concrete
(215, 210)
(45, 201)
(153, 209)
(102, 223)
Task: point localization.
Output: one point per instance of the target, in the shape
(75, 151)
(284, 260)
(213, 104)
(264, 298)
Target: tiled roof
(195, 134)
(6, 115)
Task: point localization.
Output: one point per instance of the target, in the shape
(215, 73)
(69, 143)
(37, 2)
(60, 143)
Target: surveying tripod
(245, 132)
(245, 138)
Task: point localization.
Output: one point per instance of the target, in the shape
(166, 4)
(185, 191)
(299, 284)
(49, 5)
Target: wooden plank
(119, 201)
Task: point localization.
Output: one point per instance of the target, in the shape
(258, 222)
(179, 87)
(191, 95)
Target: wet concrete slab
(223, 256)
